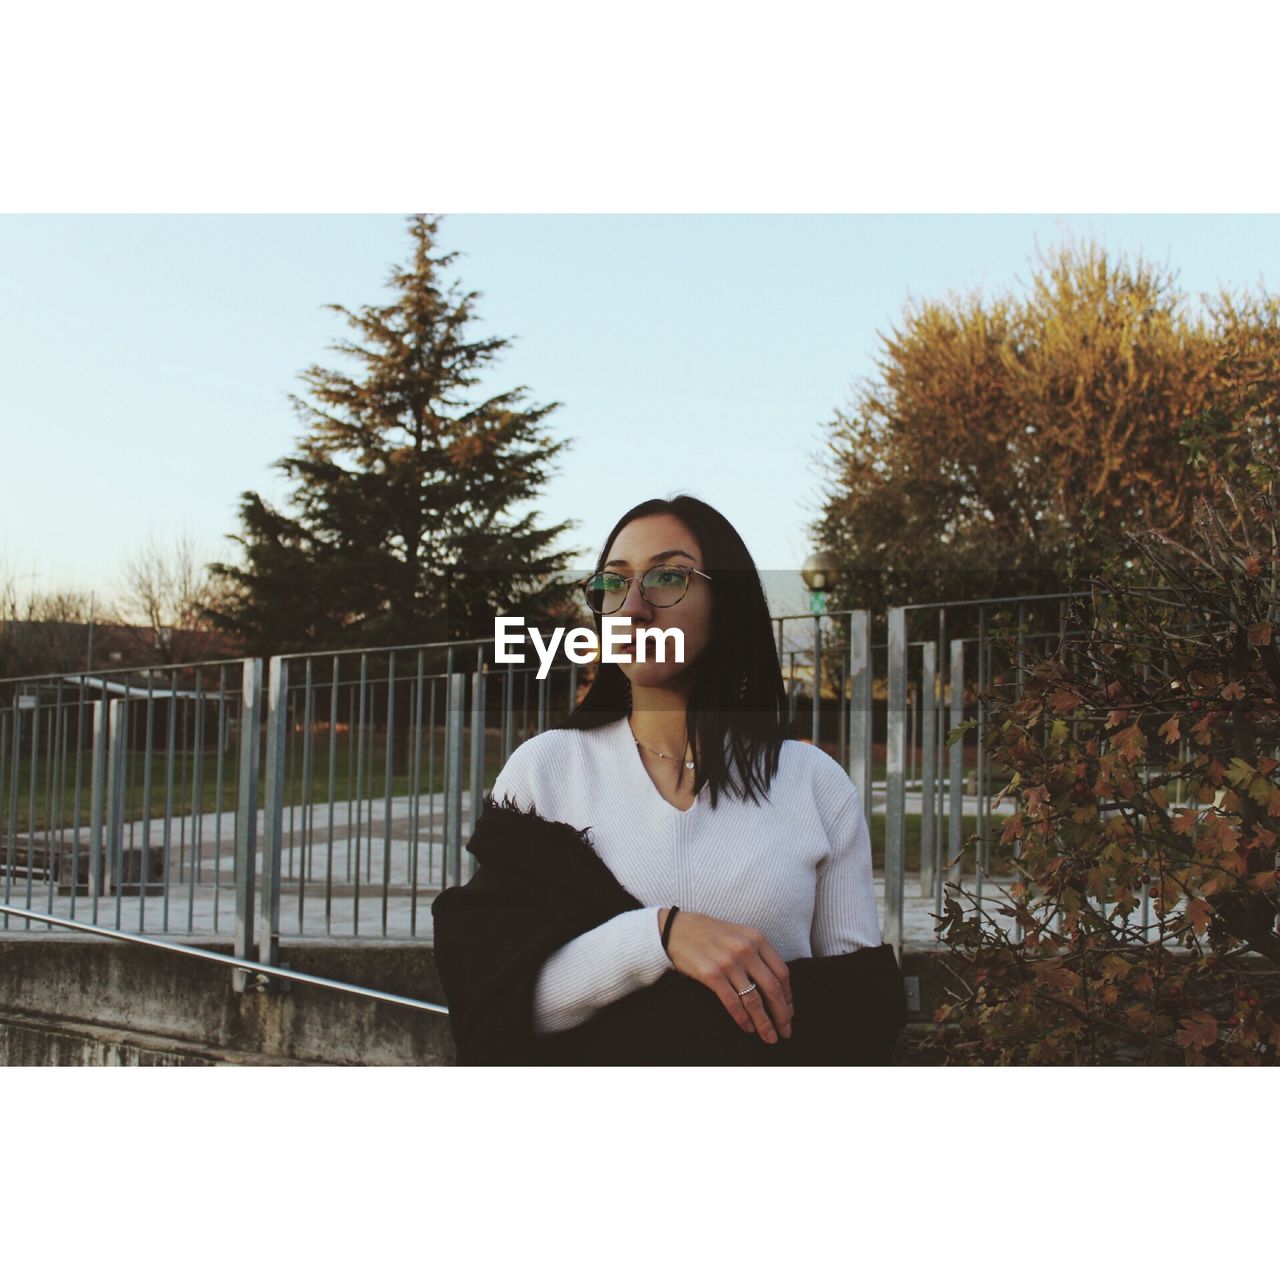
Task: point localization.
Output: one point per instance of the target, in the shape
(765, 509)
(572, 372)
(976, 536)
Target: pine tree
(399, 529)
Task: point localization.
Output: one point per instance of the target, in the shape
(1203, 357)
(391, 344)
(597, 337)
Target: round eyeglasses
(662, 586)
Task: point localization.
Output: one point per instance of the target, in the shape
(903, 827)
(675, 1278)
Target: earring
(742, 689)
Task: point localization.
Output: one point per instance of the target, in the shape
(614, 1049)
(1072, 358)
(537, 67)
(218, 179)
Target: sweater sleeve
(844, 912)
(599, 966)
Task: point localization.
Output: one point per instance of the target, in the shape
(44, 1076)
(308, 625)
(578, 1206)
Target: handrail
(233, 962)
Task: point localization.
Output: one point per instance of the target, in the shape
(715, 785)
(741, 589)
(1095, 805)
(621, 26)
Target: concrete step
(29, 1039)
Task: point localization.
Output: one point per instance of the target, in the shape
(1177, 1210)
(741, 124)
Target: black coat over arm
(538, 884)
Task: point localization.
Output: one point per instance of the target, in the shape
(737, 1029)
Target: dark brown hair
(737, 688)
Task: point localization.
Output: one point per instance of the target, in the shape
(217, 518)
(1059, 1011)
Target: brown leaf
(1171, 730)
(1259, 635)
(1129, 742)
(1197, 1030)
(1199, 913)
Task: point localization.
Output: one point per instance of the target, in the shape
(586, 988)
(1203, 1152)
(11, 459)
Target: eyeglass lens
(662, 586)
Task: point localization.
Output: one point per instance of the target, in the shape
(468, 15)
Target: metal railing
(330, 793)
(239, 966)
(931, 684)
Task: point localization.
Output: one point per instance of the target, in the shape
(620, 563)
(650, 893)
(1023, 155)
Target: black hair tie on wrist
(666, 929)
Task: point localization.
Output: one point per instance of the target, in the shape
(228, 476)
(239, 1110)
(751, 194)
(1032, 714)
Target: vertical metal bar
(940, 764)
(364, 685)
(431, 787)
(895, 792)
(1021, 684)
(246, 816)
(97, 795)
(31, 800)
(477, 758)
(909, 775)
(955, 819)
(415, 791)
(928, 779)
(524, 704)
(289, 795)
(842, 725)
(75, 833)
(57, 777)
(182, 811)
(388, 771)
(119, 708)
(573, 686)
(333, 779)
(148, 744)
(169, 792)
(12, 841)
(308, 808)
(508, 712)
(351, 772)
(273, 809)
(860, 725)
(219, 781)
(197, 800)
(542, 705)
(454, 729)
(51, 799)
(816, 726)
(981, 787)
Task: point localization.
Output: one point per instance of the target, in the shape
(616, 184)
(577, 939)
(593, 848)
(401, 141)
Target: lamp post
(820, 574)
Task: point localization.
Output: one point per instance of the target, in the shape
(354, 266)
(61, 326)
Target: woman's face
(661, 539)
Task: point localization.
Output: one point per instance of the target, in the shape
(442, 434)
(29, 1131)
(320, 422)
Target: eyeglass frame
(686, 568)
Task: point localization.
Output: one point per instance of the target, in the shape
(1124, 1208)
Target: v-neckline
(629, 746)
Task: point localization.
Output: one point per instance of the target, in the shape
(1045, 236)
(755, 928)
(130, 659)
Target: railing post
(816, 732)
(247, 816)
(895, 779)
(928, 771)
(508, 712)
(860, 705)
(955, 819)
(454, 726)
(116, 758)
(477, 758)
(97, 795)
(273, 810)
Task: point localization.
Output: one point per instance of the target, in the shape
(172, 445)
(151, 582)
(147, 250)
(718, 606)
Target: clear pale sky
(147, 359)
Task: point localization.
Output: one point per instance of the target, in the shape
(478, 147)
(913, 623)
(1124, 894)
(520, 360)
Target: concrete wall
(67, 1000)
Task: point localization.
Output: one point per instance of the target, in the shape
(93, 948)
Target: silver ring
(746, 991)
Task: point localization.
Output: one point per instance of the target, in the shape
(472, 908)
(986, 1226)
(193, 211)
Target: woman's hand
(728, 957)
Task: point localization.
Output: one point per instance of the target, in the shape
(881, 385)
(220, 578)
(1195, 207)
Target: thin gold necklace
(688, 764)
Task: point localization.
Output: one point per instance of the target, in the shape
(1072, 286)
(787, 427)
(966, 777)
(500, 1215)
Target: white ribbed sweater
(797, 867)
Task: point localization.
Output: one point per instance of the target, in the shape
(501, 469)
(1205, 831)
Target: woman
(743, 853)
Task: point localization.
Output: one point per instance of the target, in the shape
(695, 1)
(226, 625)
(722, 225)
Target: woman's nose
(635, 605)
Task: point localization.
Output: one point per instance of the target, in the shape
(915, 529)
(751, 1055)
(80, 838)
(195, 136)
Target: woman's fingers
(731, 1000)
(768, 1005)
(777, 988)
(728, 958)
